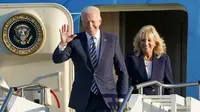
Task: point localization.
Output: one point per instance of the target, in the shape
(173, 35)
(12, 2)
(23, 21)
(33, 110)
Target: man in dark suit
(93, 53)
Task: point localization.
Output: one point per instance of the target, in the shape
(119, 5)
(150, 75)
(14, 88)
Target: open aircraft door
(29, 35)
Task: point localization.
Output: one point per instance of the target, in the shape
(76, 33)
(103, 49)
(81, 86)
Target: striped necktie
(93, 56)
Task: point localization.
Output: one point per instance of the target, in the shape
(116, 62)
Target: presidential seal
(23, 34)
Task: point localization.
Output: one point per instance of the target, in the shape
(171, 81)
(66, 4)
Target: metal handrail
(160, 85)
(5, 103)
(11, 90)
(29, 85)
(126, 99)
(149, 83)
(22, 87)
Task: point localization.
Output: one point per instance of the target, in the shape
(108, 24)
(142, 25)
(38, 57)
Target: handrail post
(199, 93)
(160, 90)
(199, 90)
(42, 96)
(22, 92)
(10, 92)
(126, 99)
(141, 90)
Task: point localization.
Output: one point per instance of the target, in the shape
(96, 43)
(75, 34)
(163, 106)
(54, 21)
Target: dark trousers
(96, 103)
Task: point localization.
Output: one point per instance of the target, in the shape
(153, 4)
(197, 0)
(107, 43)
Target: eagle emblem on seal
(22, 34)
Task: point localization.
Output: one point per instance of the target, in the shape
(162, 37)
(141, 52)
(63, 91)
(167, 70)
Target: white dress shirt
(148, 66)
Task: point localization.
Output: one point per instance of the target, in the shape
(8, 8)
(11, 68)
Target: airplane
(27, 60)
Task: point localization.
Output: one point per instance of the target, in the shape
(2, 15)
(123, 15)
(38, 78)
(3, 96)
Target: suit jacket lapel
(84, 43)
(155, 67)
(141, 67)
(85, 47)
(103, 41)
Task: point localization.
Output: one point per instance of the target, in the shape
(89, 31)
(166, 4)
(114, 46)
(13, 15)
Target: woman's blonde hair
(160, 47)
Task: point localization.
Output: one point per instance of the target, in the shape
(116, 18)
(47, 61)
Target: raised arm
(64, 49)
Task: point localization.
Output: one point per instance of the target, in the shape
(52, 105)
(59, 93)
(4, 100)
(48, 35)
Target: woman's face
(147, 43)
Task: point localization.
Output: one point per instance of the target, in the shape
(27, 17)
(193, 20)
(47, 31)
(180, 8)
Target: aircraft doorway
(170, 21)
(172, 26)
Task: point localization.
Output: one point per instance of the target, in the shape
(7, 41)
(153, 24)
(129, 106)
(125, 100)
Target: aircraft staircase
(159, 103)
(13, 99)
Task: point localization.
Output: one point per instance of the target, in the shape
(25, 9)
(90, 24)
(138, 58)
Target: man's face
(91, 22)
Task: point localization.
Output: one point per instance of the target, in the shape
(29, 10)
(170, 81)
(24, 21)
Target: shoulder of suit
(132, 54)
(165, 56)
(79, 35)
(109, 34)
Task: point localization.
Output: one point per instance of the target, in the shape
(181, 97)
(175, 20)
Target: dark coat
(110, 54)
(161, 71)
